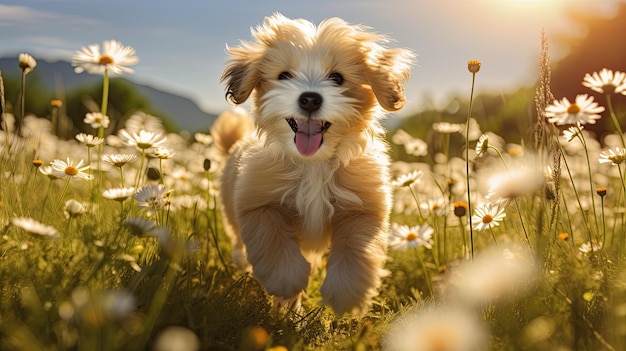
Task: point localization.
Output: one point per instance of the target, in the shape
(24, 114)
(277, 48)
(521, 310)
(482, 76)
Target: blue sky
(181, 44)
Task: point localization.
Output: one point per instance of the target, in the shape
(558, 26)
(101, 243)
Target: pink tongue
(309, 137)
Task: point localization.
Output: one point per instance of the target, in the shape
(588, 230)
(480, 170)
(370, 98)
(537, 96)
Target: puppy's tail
(229, 127)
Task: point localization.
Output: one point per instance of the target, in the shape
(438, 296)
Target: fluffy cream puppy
(312, 174)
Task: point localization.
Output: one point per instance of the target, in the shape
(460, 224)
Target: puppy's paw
(343, 298)
(283, 275)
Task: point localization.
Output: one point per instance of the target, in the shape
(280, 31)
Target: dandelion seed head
(26, 62)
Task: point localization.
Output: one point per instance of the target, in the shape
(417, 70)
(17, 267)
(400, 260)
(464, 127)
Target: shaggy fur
(312, 174)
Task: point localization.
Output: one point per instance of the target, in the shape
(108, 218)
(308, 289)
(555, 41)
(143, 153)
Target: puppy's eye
(284, 76)
(336, 78)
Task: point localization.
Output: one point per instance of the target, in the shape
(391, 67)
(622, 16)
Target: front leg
(273, 251)
(355, 263)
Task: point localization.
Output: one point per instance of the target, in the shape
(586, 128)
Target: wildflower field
(113, 240)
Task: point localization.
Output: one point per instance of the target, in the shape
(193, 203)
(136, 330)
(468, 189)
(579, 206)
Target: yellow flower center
(106, 60)
(573, 108)
(71, 171)
(487, 219)
(411, 236)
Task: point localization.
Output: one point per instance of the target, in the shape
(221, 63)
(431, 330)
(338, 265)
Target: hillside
(182, 111)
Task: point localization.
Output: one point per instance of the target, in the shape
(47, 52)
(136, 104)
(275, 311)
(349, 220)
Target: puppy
(312, 174)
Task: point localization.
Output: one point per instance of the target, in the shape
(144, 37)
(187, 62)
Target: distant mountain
(184, 112)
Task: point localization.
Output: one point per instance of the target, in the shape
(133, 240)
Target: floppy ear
(388, 70)
(241, 73)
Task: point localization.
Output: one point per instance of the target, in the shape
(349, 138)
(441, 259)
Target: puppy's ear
(241, 74)
(388, 70)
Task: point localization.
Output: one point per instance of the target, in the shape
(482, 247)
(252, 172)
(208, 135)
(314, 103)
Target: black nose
(310, 101)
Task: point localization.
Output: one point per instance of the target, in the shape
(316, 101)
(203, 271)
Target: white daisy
(482, 145)
(118, 160)
(71, 169)
(118, 194)
(114, 57)
(489, 215)
(570, 133)
(403, 237)
(89, 140)
(433, 328)
(34, 227)
(615, 157)
(407, 180)
(143, 121)
(583, 110)
(606, 81)
(142, 139)
(97, 120)
(152, 196)
(73, 209)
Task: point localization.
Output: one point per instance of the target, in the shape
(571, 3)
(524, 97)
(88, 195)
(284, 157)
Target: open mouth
(309, 134)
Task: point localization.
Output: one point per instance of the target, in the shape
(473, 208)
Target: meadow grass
(125, 250)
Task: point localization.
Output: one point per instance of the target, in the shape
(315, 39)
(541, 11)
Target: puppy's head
(317, 90)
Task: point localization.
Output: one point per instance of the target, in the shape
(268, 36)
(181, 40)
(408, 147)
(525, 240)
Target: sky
(182, 44)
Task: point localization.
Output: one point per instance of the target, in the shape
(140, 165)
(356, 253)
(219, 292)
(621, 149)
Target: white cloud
(22, 16)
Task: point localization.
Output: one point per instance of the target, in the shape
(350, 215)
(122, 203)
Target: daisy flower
(71, 169)
(34, 227)
(583, 110)
(447, 127)
(434, 327)
(49, 172)
(482, 145)
(151, 196)
(118, 160)
(412, 146)
(590, 247)
(489, 216)
(606, 81)
(570, 133)
(615, 157)
(523, 177)
(26, 62)
(495, 273)
(118, 194)
(142, 139)
(143, 121)
(161, 152)
(73, 209)
(113, 57)
(404, 237)
(407, 180)
(89, 140)
(97, 120)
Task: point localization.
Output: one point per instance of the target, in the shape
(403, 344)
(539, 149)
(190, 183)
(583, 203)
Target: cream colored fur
(284, 210)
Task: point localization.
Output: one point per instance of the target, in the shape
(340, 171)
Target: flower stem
(592, 188)
(614, 119)
(467, 174)
(517, 207)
